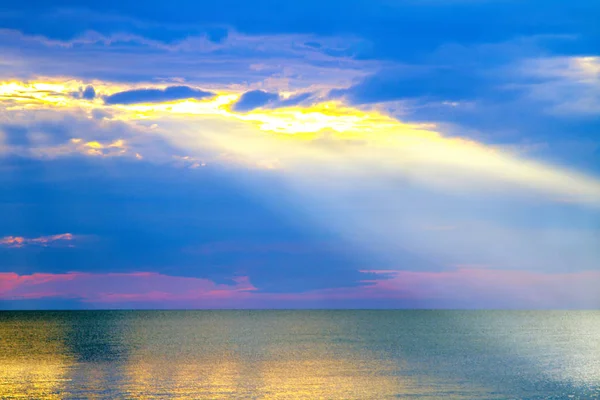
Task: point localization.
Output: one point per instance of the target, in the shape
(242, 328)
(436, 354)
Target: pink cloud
(483, 284)
(118, 287)
(20, 241)
(474, 287)
(11, 280)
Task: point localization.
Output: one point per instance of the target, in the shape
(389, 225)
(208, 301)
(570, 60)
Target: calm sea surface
(300, 354)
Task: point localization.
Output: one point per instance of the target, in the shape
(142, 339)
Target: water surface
(300, 354)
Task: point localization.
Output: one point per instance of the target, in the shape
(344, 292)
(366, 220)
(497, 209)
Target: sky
(300, 154)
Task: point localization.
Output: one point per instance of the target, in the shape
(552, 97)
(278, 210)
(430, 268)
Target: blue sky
(300, 154)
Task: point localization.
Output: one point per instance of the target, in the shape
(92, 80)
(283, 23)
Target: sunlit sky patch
(329, 163)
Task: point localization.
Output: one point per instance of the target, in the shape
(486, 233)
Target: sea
(300, 354)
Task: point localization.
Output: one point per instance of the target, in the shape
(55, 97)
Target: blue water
(300, 354)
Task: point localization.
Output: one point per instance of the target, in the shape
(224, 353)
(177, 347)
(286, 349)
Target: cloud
(564, 86)
(485, 288)
(74, 128)
(271, 62)
(294, 100)
(454, 72)
(425, 23)
(88, 93)
(254, 99)
(118, 287)
(430, 83)
(170, 93)
(417, 151)
(20, 241)
(473, 287)
(414, 150)
(410, 145)
(262, 99)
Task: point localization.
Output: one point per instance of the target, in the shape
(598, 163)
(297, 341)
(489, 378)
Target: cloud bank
(170, 93)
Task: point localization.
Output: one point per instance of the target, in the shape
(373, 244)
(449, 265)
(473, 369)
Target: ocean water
(300, 354)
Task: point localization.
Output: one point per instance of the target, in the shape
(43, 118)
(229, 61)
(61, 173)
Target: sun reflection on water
(34, 361)
(299, 355)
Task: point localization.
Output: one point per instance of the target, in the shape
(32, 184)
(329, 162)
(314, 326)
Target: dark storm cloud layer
(237, 59)
(170, 93)
(439, 51)
(394, 27)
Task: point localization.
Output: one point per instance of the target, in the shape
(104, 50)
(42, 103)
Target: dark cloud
(398, 30)
(259, 98)
(88, 93)
(429, 83)
(157, 95)
(254, 99)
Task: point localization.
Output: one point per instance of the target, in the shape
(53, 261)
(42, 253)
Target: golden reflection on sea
(263, 358)
(73, 356)
(299, 355)
(34, 362)
(226, 379)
